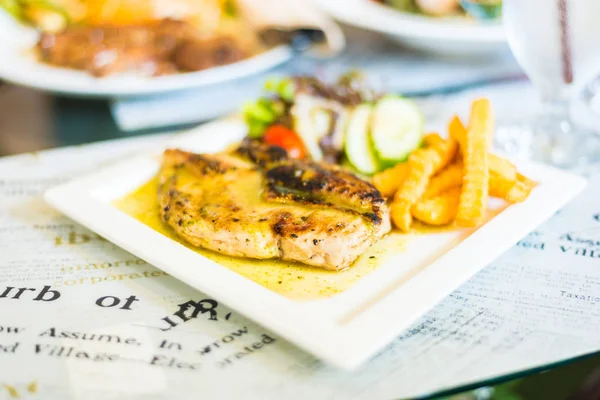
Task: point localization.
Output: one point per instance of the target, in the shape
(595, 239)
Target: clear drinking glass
(557, 43)
(591, 97)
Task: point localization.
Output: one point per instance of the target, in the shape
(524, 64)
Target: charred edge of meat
(280, 222)
(284, 195)
(290, 180)
(207, 165)
(292, 176)
(198, 163)
(298, 177)
(373, 217)
(260, 153)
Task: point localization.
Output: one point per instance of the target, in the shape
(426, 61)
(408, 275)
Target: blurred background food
(479, 9)
(155, 37)
(55, 15)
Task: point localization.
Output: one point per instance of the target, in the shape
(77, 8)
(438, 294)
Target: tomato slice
(282, 136)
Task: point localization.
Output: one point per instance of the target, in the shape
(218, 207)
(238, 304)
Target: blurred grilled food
(55, 15)
(153, 48)
(152, 37)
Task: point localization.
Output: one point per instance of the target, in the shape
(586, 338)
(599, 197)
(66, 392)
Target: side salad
(342, 123)
(478, 9)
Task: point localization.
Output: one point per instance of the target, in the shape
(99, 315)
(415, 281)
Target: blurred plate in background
(19, 66)
(443, 36)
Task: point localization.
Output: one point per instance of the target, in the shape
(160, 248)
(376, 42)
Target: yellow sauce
(293, 280)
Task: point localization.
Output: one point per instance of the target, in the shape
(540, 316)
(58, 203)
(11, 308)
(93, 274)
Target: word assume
(70, 351)
(86, 336)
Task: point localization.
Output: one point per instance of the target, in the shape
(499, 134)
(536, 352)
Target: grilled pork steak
(256, 202)
(159, 48)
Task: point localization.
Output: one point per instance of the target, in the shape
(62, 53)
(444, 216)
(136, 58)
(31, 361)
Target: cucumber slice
(396, 130)
(357, 144)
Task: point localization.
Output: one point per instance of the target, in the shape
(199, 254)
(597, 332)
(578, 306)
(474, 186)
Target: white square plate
(345, 329)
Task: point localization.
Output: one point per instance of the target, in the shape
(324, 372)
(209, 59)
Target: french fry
(503, 174)
(502, 167)
(529, 183)
(432, 139)
(512, 191)
(423, 163)
(457, 130)
(435, 188)
(389, 181)
(474, 194)
(499, 186)
(518, 193)
(448, 178)
(520, 190)
(438, 210)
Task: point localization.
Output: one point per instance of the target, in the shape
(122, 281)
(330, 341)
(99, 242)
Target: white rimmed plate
(18, 65)
(437, 35)
(344, 330)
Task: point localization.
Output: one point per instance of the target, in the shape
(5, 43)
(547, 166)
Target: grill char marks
(200, 164)
(261, 154)
(255, 202)
(296, 181)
